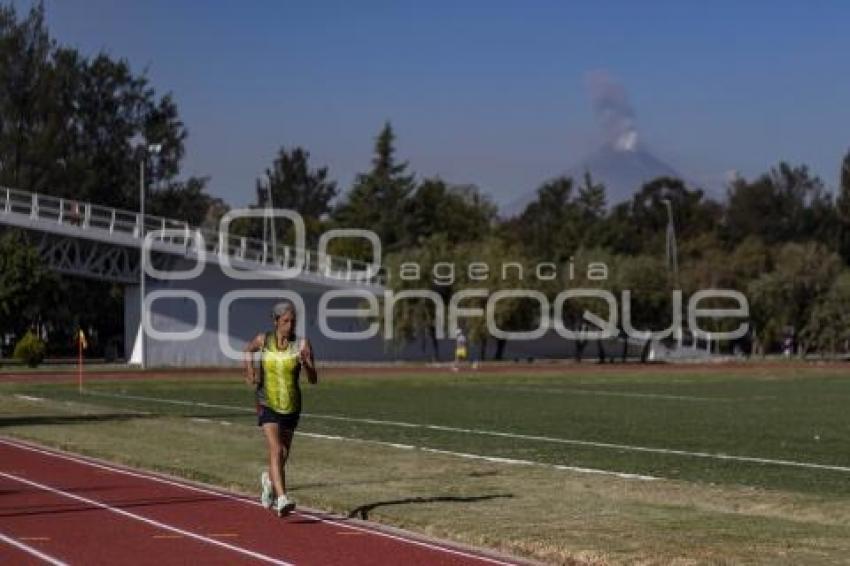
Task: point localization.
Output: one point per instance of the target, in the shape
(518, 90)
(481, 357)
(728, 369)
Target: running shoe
(267, 493)
(284, 506)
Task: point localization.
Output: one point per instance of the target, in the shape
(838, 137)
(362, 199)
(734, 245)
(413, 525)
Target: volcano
(623, 167)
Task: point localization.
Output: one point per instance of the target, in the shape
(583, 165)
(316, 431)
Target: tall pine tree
(376, 202)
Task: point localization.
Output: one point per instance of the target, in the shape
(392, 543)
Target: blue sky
(485, 92)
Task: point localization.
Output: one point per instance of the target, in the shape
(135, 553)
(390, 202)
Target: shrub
(30, 350)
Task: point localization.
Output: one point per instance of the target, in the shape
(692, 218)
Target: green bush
(30, 350)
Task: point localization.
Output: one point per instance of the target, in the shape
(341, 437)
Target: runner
(461, 352)
(279, 397)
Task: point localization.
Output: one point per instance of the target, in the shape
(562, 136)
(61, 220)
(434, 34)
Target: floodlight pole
(153, 149)
(261, 202)
(268, 218)
(672, 251)
(672, 255)
(270, 212)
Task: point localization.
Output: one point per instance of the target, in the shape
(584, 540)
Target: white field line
(494, 459)
(152, 522)
(30, 550)
(166, 400)
(579, 469)
(341, 522)
(629, 394)
(536, 438)
(29, 398)
(604, 393)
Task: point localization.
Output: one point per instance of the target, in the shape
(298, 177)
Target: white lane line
(516, 436)
(592, 444)
(579, 469)
(604, 393)
(325, 519)
(169, 401)
(30, 550)
(29, 398)
(494, 459)
(164, 526)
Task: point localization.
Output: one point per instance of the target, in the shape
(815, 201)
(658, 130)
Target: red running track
(58, 508)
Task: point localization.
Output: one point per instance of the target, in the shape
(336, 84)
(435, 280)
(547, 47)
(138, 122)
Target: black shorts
(283, 420)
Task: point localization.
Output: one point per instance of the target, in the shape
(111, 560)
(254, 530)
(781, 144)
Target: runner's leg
(272, 433)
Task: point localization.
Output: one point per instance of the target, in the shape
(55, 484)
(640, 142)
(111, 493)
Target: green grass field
(751, 465)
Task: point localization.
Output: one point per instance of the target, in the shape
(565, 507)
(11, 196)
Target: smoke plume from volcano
(613, 110)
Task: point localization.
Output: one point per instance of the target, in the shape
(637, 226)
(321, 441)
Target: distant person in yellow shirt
(461, 349)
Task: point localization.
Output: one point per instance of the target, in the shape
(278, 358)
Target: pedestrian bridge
(89, 240)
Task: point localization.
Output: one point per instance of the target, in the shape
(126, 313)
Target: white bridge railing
(108, 221)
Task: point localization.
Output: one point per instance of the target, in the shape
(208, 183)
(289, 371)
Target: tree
(828, 326)
(377, 200)
(650, 297)
(25, 81)
(639, 226)
(115, 115)
(511, 314)
(443, 268)
(461, 213)
(573, 313)
(548, 227)
(295, 186)
(590, 204)
(27, 287)
(708, 264)
(416, 317)
(787, 204)
(619, 232)
(183, 200)
(73, 126)
(591, 198)
(692, 212)
(782, 300)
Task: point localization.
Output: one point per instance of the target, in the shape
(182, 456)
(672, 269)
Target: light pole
(672, 257)
(150, 149)
(672, 252)
(270, 215)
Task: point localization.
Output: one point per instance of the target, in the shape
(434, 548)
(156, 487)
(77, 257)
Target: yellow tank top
(278, 388)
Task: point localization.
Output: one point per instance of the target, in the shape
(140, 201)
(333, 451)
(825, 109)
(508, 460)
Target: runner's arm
(254, 345)
(308, 361)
